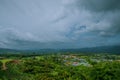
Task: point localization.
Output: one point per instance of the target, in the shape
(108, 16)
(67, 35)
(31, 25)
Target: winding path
(4, 66)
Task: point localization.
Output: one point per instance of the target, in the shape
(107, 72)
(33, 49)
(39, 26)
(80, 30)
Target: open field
(5, 60)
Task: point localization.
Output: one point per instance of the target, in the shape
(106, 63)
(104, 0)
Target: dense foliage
(53, 67)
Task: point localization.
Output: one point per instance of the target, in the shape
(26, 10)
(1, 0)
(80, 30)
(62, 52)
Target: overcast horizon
(39, 24)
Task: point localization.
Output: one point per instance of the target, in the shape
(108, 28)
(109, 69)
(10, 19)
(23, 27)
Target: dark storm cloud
(109, 23)
(100, 5)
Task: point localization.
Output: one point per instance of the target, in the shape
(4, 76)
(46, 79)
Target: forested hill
(101, 49)
(4, 50)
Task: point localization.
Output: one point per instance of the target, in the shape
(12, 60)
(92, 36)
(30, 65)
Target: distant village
(77, 60)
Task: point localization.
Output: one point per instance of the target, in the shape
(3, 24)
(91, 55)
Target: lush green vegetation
(59, 67)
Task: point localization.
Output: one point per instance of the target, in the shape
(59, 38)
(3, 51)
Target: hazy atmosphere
(31, 24)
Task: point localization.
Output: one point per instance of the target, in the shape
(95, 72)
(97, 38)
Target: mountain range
(101, 49)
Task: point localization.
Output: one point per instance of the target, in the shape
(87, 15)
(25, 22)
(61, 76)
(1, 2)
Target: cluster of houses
(74, 60)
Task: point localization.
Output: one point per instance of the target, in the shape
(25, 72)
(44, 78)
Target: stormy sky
(36, 24)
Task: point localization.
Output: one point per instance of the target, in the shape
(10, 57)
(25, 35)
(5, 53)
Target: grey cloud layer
(103, 15)
(100, 5)
(59, 23)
